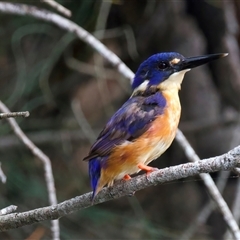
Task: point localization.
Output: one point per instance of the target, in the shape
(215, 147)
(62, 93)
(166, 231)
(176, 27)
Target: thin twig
(123, 188)
(82, 121)
(127, 32)
(64, 23)
(8, 210)
(14, 115)
(206, 211)
(204, 125)
(58, 7)
(236, 201)
(237, 171)
(46, 162)
(2, 175)
(98, 61)
(46, 137)
(87, 68)
(235, 209)
(211, 187)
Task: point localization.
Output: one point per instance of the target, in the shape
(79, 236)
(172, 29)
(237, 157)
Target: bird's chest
(163, 129)
(172, 111)
(166, 123)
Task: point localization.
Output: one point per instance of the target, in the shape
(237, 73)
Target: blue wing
(128, 123)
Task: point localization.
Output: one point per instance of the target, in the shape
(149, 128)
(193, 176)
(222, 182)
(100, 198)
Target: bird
(146, 124)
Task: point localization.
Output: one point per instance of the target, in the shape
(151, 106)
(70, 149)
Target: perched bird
(145, 126)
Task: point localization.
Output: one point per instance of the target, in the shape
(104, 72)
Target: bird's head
(166, 70)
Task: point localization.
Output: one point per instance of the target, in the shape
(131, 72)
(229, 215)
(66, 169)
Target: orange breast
(153, 143)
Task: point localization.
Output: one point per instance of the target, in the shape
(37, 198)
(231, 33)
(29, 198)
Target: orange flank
(133, 156)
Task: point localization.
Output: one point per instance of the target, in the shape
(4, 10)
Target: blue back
(135, 117)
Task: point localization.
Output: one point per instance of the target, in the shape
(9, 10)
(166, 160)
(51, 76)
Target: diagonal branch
(209, 183)
(41, 156)
(224, 162)
(66, 24)
(58, 7)
(2, 175)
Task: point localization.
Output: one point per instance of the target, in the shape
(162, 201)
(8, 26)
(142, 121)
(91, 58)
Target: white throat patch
(142, 87)
(174, 81)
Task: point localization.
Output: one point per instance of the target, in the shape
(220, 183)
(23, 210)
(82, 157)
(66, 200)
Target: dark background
(71, 92)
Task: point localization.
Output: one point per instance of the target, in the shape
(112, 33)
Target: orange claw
(146, 168)
(126, 177)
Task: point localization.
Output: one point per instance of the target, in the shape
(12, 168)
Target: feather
(128, 123)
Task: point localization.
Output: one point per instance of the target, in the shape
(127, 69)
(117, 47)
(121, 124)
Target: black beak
(193, 62)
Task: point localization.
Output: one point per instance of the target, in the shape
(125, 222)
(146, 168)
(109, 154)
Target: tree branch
(122, 188)
(206, 211)
(58, 7)
(211, 186)
(2, 175)
(14, 114)
(8, 210)
(64, 23)
(46, 163)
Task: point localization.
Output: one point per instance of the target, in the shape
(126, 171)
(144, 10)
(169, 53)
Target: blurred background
(71, 92)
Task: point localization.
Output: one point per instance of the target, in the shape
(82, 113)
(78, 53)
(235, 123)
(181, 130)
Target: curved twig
(46, 163)
(58, 7)
(64, 23)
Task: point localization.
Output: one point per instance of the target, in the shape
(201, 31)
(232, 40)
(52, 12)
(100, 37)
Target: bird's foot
(126, 177)
(147, 168)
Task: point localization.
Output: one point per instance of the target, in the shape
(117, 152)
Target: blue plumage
(151, 70)
(94, 169)
(127, 124)
(137, 115)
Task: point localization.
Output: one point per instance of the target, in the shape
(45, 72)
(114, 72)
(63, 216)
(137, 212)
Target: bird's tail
(94, 174)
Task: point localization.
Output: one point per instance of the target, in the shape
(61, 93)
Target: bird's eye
(162, 65)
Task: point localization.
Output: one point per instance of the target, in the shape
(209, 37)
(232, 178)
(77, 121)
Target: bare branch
(86, 68)
(21, 9)
(45, 137)
(125, 31)
(235, 208)
(98, 60)
(236, 201)
(82, 121)
(41, 156)
(237, 171)
(203, 125)
(123, 188)
(58, 7)
(206, 211)
(8, 210)
(2, 175)
(211, 187)
(14, 114)
(61, 22)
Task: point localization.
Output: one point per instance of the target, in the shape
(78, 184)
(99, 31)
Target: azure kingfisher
(145, 126)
